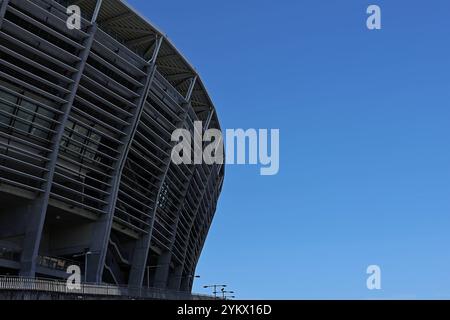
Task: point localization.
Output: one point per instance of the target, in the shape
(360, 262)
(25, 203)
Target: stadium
(86, 176)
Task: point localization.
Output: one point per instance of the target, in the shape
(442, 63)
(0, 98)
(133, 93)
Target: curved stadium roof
(121, 21)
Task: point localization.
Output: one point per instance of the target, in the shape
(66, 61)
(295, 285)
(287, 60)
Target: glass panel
(8, 97)
(6, 108)
(27, 114)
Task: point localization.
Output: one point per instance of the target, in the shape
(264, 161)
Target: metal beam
(3, 8)
(191, 89)
(98, 6)
(168, 57)
(119, 17)
(130, 29)
(102, 228)
(156, 47)
(177, 69)
(179, 76)
(38, 210)
(208, 121)
(137, 41)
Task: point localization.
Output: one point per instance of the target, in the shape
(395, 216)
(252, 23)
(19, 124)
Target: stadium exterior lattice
(86, 177)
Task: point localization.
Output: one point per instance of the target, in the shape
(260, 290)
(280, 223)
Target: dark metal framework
(86, 118)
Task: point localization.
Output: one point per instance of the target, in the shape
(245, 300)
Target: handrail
(117, 250)
(15, 283)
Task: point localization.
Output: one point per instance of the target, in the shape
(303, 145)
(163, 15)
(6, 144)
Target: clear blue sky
(365, 156)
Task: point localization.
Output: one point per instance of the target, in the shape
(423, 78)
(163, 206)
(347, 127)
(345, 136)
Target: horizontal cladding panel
(138, 171)
(78, 193)
(15, 160)
(112, 84)
(34, 40)
(139, 223)
(84, 185)
(107, 92)
(58, 10)
(104, 101)
(37, 52)
(121, 50)
(147, 155)
(130, 186)
(107, 151)
(84, 166)
(147, 118)
(92, 119)
(32, 88)
(61, 25)
(122, 222)
(35, 77)
(142, 213)
(104, 57)
(131, 196)
(101, 111)
(36, 65)
(18, 148)
(19, 119)
(25, 186)
(76, 203)
(66, 172)
(55, 15)
(116, 60)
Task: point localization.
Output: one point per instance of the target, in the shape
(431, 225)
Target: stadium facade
(86, 176)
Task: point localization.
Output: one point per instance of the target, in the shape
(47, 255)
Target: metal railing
(9, 283)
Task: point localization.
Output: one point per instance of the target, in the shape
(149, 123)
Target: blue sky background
(365, 159)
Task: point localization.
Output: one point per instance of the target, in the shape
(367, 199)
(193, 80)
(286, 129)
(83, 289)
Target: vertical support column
(162, 270)
(176, 281)
(181, 283)
(98, 5)
(38, 210)
(102, 228)
(143, 244)
(3, 8)
(175, 278)
(185, 282)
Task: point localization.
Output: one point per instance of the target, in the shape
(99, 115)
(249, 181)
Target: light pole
(189, 277)
(85, 255)
(224, 292)
(215, 286)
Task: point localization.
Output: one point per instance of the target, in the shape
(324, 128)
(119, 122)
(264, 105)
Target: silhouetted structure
(86, 118)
